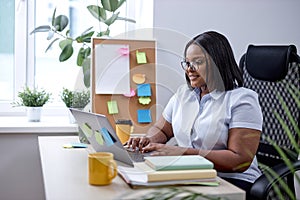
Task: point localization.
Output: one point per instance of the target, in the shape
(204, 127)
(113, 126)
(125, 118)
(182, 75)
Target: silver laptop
(103, 137)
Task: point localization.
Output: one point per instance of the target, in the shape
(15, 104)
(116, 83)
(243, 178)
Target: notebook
(184, 162)
(103, 137)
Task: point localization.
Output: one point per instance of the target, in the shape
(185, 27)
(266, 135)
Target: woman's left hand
(164, 150)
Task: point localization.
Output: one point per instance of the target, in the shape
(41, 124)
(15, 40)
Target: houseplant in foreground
(33, 99)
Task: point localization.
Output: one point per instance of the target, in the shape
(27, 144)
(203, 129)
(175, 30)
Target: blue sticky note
(144, 116)
(144, 90)
(109, 140)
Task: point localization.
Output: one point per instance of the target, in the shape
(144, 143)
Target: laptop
(103, 137)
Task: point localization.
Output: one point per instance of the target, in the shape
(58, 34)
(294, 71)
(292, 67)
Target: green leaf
(112, 19)
(64, 43)
(102, 33)
(66, 53)
(86, 71)
(85, 38)
(98, 12)
(61, 22)
(50, 45)
(110, 5)
(82, 55)
(44, 28)
(53, 16)
(126, 19)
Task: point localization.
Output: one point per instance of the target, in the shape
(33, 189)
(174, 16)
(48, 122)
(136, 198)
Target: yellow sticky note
(141, 57)
(144, 100)
(112, 107)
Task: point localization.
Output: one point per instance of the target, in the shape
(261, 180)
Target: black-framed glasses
(194, 65)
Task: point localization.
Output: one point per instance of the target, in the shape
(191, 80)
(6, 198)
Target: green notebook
(178, 162)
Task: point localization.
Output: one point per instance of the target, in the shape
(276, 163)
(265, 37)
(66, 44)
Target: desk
(65, 173)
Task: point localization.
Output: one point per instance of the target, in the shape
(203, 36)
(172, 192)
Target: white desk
(66, 176)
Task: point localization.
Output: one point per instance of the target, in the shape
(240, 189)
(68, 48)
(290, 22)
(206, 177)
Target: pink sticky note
(131, 94)
(124, 51)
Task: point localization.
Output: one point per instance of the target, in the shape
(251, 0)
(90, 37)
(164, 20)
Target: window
(23, 57)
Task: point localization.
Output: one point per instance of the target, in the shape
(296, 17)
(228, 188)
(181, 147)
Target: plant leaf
(44, 28)
(85, 38)
(110, 5)
(82, 55)
(102, 33)
(50, 45)
(126, 19)
(61, 22)
(86, 71)
(53, 16)
(64, 43)
(98, 12)
(112, 19)
(66, 53)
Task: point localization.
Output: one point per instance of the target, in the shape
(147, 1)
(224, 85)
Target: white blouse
(204, 124)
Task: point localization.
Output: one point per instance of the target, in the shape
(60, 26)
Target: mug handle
(112, 170)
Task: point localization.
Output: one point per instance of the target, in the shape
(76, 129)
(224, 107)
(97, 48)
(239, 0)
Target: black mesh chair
(273, 72)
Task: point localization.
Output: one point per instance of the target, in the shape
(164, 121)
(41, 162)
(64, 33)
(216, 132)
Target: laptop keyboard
(136, 156)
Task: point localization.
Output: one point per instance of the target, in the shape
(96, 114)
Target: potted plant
(105, 13)
(75, 99)
(33, 99)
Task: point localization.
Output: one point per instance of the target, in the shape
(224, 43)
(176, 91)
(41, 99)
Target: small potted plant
(76, 99)
(33, 100)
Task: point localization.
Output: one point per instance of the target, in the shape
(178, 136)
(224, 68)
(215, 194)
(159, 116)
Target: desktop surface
(65, 173)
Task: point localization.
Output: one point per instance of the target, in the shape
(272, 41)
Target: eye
(198, 62)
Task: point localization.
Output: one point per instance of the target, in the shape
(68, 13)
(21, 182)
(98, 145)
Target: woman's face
(196, 56)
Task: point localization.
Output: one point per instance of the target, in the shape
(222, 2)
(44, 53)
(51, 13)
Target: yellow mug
(102, 168)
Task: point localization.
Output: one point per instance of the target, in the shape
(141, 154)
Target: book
(138, 177)
(188, 162)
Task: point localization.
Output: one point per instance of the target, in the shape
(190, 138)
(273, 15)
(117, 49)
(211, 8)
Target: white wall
(243, 22)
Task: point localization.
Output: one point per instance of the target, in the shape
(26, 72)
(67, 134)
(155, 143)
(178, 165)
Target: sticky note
(124, 51)
(112, 107)
(144, 90)
(108, 138)
(139, 78)
(86, 130)
(141, 57)
(99, 137)
(144, 116)
(144, 100)
(131, 94)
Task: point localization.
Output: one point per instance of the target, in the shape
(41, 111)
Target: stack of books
(170, 170)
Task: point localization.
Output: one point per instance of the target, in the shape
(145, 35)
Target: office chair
(272, 71)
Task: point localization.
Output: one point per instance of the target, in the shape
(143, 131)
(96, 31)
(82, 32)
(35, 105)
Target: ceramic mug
(102, 168)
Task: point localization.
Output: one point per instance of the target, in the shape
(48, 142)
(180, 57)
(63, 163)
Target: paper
(144, 90)
(112, 107)
(144, 116)
(132, 93)
(144, 100)
(112, 69)
(141, 57)
(139, 78)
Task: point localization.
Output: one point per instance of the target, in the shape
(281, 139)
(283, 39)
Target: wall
(243, 22)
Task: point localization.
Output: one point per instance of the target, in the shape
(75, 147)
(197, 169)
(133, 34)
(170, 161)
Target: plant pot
(34, 114)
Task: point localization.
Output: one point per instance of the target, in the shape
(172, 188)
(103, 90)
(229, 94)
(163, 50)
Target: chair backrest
(272, 71)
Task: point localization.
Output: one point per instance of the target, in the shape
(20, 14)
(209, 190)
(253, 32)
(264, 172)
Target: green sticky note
(112, 107)
(141, 57)
(144, 100)
(99, 137)
(87, 130)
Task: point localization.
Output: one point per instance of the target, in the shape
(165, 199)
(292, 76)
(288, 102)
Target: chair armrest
(263, 184)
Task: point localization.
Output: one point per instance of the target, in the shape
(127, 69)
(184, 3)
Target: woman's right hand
(138, 142)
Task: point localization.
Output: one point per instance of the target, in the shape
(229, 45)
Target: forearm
(156, 135)
(224, 160)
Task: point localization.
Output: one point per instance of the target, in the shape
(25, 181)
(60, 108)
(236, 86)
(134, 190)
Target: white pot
(34, 114)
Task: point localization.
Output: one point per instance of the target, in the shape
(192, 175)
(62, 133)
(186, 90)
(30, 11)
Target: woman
(213, 115)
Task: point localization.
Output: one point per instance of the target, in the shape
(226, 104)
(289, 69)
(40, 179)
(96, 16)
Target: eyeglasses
(194, 66)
